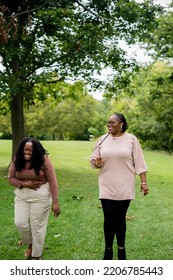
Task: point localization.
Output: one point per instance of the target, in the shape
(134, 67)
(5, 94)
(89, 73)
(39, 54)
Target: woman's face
(27, 151)
(114, 125)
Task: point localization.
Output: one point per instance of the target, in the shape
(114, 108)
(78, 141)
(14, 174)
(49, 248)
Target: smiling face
(114, 125)
(27, 151)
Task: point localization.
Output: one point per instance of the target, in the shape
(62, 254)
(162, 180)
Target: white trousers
(32, 210)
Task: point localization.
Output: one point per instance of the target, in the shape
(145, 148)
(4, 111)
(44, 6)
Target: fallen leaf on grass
(130, 218)
(57, 235)
(19, 243)
(75, 197)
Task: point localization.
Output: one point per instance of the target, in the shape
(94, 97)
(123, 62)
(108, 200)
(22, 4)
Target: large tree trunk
(17, 111)
(17, 121)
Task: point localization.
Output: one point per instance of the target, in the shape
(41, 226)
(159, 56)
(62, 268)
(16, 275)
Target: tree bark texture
(17, 121)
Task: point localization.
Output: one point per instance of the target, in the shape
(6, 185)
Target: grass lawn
(78, 232)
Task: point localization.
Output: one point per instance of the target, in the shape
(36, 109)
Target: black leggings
(115, 221)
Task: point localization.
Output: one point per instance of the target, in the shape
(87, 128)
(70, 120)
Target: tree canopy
(146, 96)
(70, 38)
(147, 102)
(161, 39)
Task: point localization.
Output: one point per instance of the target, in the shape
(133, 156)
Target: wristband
(143, 183)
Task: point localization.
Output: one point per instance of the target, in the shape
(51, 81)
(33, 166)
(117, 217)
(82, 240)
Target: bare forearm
(144, 186)
(143, 177)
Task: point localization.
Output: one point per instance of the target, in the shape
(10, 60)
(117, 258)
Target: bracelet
(143, 183)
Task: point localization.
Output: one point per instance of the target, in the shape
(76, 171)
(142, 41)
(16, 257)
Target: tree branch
(88, 10)
(33, 10)
(80, 4)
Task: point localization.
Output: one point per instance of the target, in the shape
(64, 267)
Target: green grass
(78, 232)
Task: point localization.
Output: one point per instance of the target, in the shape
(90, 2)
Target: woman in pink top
(119, 156)
(36, 189)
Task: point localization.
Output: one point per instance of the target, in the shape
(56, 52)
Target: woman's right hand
(98, 162)
(34, 185)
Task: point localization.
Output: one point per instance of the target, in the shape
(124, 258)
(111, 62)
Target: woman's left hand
(144, 189)
(55, 209)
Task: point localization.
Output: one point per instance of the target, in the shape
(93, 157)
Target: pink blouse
(47, 174)
(123, 160)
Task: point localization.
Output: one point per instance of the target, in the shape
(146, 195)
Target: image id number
(133, 270)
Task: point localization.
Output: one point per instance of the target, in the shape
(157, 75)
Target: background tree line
(67, 120)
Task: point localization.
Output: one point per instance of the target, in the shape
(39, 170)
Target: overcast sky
(163, 2)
